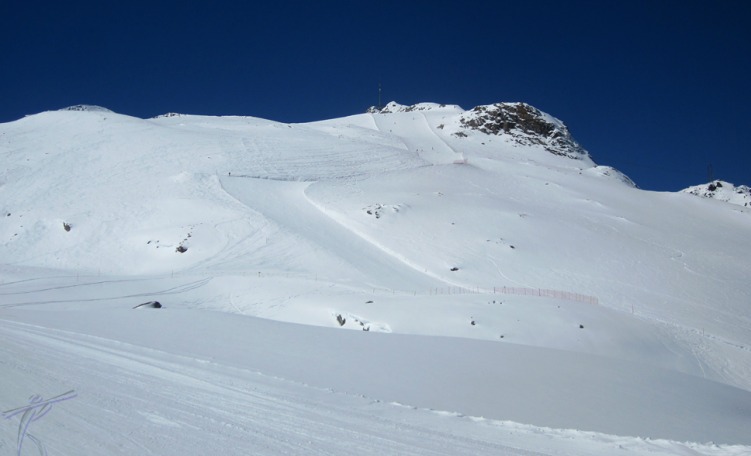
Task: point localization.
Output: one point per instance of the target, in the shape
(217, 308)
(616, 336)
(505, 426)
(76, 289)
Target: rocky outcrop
(525, 125)
(518, 122)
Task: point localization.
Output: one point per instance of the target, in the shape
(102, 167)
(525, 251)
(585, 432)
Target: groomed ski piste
(393, 282)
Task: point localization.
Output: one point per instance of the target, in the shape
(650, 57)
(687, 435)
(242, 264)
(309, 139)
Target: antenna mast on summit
(379, 96)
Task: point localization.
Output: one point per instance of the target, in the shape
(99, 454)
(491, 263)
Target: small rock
(150, 305)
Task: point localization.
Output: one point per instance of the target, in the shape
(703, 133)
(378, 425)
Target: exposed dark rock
(150, 305)
(526, 125)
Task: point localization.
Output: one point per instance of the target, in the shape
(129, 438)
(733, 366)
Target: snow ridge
(168, 115)
(85, 108)
(722, 191)
(394, 107)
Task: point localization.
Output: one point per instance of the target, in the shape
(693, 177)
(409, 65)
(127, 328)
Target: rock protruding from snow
(393, 107)
(168, 115)
(84, 107)
(723, 191)
(525, 125)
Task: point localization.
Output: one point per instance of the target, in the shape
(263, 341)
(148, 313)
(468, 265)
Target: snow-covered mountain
(516, 280)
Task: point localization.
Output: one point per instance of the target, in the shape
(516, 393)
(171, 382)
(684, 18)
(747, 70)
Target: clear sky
(657, 89)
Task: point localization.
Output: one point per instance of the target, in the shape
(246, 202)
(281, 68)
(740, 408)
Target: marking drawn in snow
(37, 408)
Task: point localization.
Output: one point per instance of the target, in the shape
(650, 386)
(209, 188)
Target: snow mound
(525, 125)
(85, 108)
(167, 115)
(393, 107)
(723, 191)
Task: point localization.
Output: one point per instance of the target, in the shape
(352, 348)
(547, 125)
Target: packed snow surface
(405, 281)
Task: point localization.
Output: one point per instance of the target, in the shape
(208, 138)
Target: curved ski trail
(285, 203)
(418, 136)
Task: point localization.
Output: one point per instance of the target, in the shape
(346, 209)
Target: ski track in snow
(163, 404)
(418, 136)
(179, 289)
(258, 414)
(313, 225)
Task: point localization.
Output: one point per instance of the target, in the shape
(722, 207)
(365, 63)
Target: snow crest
(722, 191)
(86, 108)
(394, 107)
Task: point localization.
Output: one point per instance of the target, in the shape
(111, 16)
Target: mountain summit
(722, 191)
(517, 123)
(86, 108)
(393, 107)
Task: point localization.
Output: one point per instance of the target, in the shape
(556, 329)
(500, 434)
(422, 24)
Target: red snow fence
(555, 294)
(520, 291)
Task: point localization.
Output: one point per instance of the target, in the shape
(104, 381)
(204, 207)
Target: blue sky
(658, 89)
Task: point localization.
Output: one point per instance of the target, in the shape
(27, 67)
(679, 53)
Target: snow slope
(524, 291)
